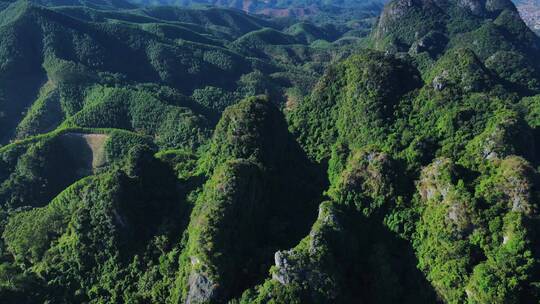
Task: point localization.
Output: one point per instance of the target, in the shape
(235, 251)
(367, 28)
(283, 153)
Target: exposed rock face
(505, 135)
(300, 265)
(403, 23)
(499, 5)
(201, 289)
(470, 75)
(286, 268)
(297, 267)
(486, 8)
(396, 10)
(474, 6)
(518, 181)
(307, 264)
(365, 182)
(519, 194)
(440, 81)
(327, 217)
(496, 141)
(437, 189)
(400, 8)
(433, 43)
(435, 179)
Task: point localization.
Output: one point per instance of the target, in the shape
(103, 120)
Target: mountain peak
(404, 22)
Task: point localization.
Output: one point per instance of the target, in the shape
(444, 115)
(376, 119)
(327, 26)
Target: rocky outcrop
(404, 24)
(476, 7)
(440, 81)
(436, 179)
(437, 187)
(518, 181)
(311, 263)
(486, 8)
(201, 289)
(499, 5)
(460, 69)
(506, 134)
(365, 182)
(402, 13)
(433, 43)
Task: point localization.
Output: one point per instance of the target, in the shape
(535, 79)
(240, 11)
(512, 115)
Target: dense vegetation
(68, 65)
(340, 12)
(205, 155)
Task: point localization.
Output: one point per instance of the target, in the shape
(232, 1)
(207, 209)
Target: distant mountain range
(277, 6)
(528, 9)
(316, 10)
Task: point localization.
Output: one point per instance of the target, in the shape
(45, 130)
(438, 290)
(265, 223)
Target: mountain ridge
(206, 155)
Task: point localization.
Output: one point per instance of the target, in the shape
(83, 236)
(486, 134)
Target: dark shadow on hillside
(392, 275)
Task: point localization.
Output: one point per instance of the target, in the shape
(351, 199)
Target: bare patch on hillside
(87, 149)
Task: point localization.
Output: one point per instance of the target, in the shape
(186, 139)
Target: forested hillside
(206, 155)
(331, 11)
(67, 65)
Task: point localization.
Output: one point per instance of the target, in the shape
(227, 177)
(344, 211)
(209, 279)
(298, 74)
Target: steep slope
(35, 171)
(454, 136)
(96, 227)
(256, 192)
(56, 60)
(426, 29)
(407, 174)
(261, 195)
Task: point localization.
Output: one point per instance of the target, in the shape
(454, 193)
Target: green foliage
(230, 208)
(422, 159)
(183, 162)
(91, 236)
(214, 98)
(252, 196)
(120, 142)
(44, 115)
(364, 181)
(38, 174)
(400, 24)
(86, 57)
(139, 110)
(253, 129)
(327, 265)
(515, 68)
(461, 135)
(363, 90)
